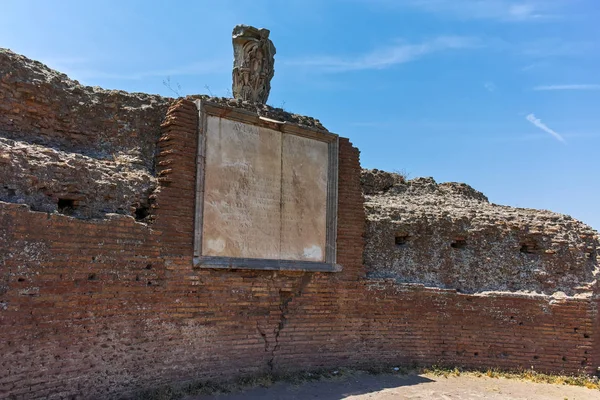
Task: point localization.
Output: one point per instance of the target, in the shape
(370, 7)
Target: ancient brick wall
(595, 359)
(109, 307)
(112, 306)
(80, 150)
(450, 236)
(43, 106)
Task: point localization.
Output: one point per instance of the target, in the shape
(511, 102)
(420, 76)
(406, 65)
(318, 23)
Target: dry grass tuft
(526, 375)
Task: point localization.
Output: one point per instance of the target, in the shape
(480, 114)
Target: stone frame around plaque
(206, 109)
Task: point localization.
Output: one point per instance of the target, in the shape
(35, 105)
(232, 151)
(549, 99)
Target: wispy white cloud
(542, 52)
(557, 47)
(490, 86)
(537, 137)
(385, 57)
(536, 66)
(568, 87)
(79, 68)
(538, 123)
(503, 10)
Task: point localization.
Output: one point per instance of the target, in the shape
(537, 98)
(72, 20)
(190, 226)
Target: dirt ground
(362, 386)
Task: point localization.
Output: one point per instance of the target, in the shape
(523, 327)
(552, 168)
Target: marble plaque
(242, 190)
(304, 195)
(265, 193)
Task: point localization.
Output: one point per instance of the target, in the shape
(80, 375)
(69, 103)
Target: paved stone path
(361, 386)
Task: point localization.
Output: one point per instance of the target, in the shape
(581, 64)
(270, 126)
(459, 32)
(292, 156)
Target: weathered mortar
(80, 150)
(40, 105)
(43, 177)
(106, 308)
(448, 235)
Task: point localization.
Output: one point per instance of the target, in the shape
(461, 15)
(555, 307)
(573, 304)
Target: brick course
(106, 308)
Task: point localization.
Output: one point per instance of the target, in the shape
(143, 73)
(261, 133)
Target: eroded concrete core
(73, 184)
(449, 235)
(88, 152)
(78, 150)
(84, 151)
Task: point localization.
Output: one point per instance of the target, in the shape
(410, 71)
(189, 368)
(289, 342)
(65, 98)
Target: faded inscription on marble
(304, 198)
(242, 190)
(265, 193)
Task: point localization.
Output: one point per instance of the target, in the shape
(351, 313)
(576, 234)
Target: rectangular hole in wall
(401, 239)
(66, 206)
(459, 243)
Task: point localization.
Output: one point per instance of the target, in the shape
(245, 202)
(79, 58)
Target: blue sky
(500, 94)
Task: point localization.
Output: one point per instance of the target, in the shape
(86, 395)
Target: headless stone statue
(253, 61)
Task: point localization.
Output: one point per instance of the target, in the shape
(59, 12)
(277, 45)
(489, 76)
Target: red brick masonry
(106, 308)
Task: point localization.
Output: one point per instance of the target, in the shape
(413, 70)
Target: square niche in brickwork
(266, 193)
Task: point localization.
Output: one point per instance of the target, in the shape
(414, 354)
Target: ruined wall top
(95, 147)
(253, 62)
(449, 235)
(59, 139)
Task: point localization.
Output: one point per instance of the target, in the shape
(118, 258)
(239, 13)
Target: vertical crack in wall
(264, 336)
(285, 298)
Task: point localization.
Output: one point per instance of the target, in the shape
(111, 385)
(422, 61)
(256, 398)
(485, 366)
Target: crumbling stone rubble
(43, 106)
(85, 151)
(52, 180)
(264, 110)
(448, 235)
(79, 150)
